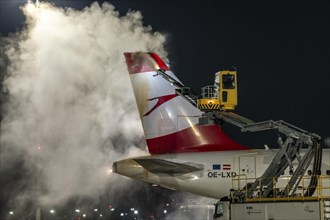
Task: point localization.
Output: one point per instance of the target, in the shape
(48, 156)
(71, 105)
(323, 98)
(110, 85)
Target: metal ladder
(289, 150)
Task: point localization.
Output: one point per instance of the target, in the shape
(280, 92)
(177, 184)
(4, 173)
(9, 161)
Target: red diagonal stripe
(161, 100)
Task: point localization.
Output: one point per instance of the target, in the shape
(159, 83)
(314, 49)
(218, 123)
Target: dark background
(280, 49)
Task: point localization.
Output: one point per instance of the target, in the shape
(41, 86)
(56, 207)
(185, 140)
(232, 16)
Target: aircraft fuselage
(214, 173)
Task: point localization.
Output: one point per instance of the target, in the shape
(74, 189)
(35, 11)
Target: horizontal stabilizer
(166, 167)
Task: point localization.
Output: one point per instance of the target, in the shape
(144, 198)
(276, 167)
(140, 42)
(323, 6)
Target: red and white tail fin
(169, 121)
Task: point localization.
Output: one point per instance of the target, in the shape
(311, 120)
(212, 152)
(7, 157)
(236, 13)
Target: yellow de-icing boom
(222, 95)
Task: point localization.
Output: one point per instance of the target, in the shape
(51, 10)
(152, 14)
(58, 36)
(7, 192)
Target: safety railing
(209, 92)
(241, 183)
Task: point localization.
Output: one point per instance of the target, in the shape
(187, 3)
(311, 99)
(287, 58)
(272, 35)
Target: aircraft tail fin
(169, 121)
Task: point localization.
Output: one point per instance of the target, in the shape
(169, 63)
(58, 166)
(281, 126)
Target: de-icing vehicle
(190, 152)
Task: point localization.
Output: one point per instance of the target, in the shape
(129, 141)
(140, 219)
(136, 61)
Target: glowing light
(121, 214)
(193, 127)
(77, 210)
(95, 210)
(165, 211)
(52, 211)
(136, 212)
(84, 215)
(11, 213)
(30, 7)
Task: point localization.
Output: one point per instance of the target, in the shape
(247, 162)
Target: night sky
(280, 49)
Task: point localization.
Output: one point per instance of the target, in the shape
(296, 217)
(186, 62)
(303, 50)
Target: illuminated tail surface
(170, 122)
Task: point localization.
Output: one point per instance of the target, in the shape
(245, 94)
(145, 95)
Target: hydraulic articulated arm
(291, 140)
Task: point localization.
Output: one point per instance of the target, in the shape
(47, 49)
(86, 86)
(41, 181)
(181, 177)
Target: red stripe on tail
(161, 100)
(160, 62)
(144, 62)
(194, 139)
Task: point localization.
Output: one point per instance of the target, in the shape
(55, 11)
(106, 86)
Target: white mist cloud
(70, 95)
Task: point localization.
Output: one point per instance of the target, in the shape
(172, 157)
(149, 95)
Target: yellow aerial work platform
(222, 95)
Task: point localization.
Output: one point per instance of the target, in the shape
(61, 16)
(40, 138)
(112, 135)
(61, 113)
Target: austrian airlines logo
(161, 100)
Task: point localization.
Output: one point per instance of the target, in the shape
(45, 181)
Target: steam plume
(71, 111)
